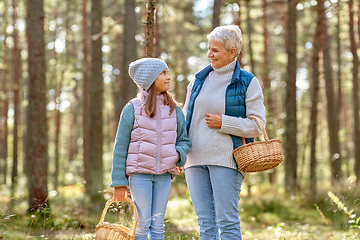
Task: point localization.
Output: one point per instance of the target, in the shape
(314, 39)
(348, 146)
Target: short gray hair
(229, 36)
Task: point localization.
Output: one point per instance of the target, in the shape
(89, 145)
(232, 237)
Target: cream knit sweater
(212, 146)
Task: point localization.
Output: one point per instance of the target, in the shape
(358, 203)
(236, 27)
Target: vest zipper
(158, 126)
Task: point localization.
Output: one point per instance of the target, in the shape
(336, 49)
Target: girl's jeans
(150, 194)
(215, 193)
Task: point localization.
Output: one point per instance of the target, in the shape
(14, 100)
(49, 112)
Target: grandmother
(218, 103)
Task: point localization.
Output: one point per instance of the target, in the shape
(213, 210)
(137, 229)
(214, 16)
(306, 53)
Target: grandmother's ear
(233, 52)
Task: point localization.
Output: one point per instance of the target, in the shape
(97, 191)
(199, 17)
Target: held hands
(120, 193)
(178, 169)
(213, 120)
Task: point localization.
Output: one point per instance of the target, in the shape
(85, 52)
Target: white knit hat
(145, 71)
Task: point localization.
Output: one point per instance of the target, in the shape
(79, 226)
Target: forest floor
(263, 216)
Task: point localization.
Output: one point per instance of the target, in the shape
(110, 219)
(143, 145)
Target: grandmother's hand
(213, 120)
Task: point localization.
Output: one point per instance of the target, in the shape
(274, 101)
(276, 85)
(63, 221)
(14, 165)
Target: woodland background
(64, 81)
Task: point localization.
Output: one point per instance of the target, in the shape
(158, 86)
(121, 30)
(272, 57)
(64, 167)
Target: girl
(150, 146)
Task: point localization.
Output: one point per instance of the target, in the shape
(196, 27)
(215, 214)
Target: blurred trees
(85, 83)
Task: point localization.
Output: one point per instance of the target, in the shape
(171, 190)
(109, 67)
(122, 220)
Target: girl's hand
(213, 120)
(178, 170)
(120, 193)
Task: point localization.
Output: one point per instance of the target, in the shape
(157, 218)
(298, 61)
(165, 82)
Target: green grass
(267, 214)
(271, 214)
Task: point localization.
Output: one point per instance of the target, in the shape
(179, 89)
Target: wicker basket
(114, 231)
(258, 156)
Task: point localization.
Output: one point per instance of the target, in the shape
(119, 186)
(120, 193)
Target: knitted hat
(145, 71)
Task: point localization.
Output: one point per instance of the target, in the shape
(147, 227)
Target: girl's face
(218, 55)
(162, 82)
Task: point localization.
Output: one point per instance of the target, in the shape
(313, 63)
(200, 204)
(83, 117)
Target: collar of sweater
(229, 68)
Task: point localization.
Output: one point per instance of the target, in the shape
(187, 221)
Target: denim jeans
(150, 194)
(215, 193)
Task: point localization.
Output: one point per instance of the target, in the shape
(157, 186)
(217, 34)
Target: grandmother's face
(218, 55)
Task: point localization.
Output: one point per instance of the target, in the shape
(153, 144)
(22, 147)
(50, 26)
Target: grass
(267, 214)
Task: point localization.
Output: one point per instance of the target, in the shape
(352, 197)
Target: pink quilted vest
(152, 145)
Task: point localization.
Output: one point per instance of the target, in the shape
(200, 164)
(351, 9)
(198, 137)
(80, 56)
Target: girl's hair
(229, 36)
(150, 104)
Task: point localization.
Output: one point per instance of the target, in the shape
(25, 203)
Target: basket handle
(261, 126)
(111, 201)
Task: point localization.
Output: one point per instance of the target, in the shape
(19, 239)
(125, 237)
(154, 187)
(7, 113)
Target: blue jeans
(150, 194)
(215, 193)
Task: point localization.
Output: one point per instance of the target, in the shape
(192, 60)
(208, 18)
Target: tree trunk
(57, 133)
(314, 110)
(344, 146)
(290, 101)
(4, 103)
(355, 92)
(36, 122)
(358, 22)
(117, 83)
(149, 43)
(338, 55)
(72, 145)
(85, 91)
(57, 88)
(238, 22)
(333, 119)
(284, 18)
(95, 184)
(157, 33)
(174, 38)
(216, 13)
(74, 133)
(16, 95)
(265, 71)
(249, 29)
(266, 84)
(128, 87)
(185, 71)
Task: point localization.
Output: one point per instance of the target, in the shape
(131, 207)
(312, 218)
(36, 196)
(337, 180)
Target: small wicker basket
(114, 231)
(258, 156)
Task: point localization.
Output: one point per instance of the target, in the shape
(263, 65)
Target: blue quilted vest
(234, 101)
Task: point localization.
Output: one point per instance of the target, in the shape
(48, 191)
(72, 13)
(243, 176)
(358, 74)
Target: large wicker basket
(114, 231)
(258, 156)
